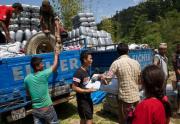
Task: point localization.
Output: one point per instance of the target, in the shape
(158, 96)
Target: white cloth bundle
(10, 50)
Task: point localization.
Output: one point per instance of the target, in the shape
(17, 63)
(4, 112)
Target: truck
(15, 104)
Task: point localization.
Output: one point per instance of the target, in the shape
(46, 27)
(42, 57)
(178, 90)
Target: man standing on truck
(80, 80)
(127, 71)
(49, 22)
(36, 84)
(5, 15)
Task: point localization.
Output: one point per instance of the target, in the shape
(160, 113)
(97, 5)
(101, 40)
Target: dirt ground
(67, 113)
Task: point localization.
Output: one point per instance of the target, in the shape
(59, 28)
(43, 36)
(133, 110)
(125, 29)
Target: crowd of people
(154, 109)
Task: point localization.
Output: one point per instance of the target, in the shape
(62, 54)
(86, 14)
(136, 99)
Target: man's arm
(106, 78)
(156, 60)
(2, 24)
(80, 90)
(56, 59)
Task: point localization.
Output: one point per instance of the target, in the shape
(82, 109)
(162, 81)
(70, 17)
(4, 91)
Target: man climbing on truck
(36, 84)
(49, 21)
(5, 15)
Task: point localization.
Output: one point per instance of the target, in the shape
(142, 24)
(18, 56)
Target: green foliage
(69, 8)
(150, 22)
(107, 25)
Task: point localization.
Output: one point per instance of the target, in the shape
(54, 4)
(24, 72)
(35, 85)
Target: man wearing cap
(161, 60)
(5, 15)
(36, 84)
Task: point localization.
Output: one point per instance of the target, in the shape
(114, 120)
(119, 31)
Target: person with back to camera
(128, 72)
(155, 108)
(36, 85)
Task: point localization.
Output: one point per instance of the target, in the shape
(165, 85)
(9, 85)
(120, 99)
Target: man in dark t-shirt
(83, 95)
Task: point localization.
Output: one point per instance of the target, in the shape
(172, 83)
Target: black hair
(43, 9)
(122, 49)
(153, 83)
(35, 61)
(84, 55)
(18, 5)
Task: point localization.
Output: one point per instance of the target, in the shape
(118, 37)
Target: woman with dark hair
(155, 109)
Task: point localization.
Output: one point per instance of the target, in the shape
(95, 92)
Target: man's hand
(103, 79)
(90, 90)
(8, 38)
(56, 59)
(80, 90)
(56, 51)
(101, 76)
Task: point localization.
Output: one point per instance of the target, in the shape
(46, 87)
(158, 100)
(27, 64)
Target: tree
(69, 8)
(107, 25)
(170, 27)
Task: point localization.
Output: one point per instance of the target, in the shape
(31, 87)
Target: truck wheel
(40, 43)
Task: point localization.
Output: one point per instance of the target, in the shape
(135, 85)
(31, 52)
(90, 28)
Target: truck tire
(40, 43)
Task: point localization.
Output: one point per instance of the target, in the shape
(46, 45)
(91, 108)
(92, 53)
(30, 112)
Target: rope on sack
(6, 48)
(58, 25)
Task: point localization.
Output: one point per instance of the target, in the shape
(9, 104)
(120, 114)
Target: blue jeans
(45, 116)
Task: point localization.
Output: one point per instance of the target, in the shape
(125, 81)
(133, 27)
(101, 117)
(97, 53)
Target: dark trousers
(2, 38)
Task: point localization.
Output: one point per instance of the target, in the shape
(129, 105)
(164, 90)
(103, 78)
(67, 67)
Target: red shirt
(6, 14)
(149, 111)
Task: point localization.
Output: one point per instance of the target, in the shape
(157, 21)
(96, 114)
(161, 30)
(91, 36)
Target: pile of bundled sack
(21, 29)
(84, 26)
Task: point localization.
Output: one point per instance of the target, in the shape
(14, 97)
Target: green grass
(67, 114)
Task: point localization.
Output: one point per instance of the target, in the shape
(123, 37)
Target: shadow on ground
(65, 110)
(108, 116)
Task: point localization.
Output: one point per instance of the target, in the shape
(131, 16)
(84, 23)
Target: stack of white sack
(25, 25)
(138, 46)
(11, 50)
(84, 26)
(85, 20)
(21, 35)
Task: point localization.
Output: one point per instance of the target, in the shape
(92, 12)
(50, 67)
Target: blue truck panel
(14, 70)
(103, 59)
